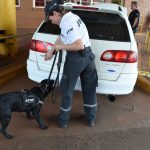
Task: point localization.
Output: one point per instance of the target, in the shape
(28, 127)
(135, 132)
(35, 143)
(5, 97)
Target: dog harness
(29, 100)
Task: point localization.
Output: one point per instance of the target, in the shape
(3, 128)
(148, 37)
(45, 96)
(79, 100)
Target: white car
(112, 41)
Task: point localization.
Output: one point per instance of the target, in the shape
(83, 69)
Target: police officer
(79, 62)
(134, 16)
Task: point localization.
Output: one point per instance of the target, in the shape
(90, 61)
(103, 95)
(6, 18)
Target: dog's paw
(7, 135)
(29, 116)
(44, 127)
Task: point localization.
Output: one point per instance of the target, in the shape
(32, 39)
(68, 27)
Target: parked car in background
(112, 41)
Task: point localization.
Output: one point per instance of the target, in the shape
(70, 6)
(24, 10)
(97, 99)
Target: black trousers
(79, 64)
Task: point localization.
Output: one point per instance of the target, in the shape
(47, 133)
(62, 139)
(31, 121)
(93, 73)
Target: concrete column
(8, 24)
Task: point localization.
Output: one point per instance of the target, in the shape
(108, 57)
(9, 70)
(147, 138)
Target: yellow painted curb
(12, 73)
(144, 83)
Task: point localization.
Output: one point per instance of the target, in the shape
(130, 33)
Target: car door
(108, 33)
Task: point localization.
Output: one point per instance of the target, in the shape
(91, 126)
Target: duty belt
(80, 52)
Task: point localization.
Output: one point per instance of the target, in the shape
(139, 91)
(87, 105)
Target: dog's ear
(51, 82)
(44, 81)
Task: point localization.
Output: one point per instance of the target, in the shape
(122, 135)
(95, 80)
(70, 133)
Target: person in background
(134, 16)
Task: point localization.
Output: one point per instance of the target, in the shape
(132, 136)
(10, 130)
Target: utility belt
(83, 52)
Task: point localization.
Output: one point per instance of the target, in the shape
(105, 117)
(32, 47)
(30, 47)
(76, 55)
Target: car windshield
(101, 26)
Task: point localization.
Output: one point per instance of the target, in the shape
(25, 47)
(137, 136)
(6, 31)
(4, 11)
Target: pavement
(123, 124)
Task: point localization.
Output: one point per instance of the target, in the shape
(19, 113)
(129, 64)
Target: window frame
(39, 6)
(119, 2)
(18, 3)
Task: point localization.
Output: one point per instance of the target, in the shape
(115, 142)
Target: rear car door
(110, 41)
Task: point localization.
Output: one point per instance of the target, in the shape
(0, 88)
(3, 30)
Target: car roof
(111, 6)
(106, 7)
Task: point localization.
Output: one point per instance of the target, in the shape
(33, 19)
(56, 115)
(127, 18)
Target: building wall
(29, 18)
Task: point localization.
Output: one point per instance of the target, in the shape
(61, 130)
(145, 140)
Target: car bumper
(122, 86)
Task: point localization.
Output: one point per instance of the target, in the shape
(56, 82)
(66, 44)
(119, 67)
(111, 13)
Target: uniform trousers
(79, 64)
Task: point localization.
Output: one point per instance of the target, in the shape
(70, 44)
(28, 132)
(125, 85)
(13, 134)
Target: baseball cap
(50, 7)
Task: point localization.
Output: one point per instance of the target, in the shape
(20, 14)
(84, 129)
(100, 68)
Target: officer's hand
(48, 55)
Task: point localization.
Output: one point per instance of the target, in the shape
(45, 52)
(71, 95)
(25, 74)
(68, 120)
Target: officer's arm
(58, 41)
(75, 46)
(135, 22)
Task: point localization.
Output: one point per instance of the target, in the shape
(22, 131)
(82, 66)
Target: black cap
(50, 7)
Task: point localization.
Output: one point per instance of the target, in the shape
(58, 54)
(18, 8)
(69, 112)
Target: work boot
(63, 126)
(91, 123)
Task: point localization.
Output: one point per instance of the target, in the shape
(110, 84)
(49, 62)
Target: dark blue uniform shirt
(134, 14)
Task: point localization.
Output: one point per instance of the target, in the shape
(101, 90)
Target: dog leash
(52, 68)
(58, 67)
(57, 77)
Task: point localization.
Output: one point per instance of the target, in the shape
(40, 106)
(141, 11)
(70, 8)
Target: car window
(49, 28)
(101, 26)
(105, 26)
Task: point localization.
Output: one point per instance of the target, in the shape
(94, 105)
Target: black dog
(24, 101)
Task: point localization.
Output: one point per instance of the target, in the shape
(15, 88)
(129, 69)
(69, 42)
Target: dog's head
(46, 86)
